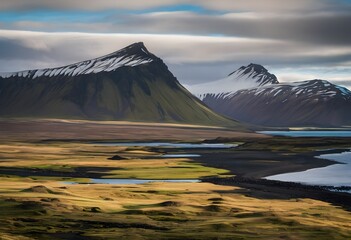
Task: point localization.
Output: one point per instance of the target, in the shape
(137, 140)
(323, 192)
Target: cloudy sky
(200, 40)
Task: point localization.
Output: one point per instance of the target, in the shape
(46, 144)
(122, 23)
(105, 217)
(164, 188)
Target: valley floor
(39, 201)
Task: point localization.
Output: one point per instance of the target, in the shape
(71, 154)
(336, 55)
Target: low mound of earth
(38, 189)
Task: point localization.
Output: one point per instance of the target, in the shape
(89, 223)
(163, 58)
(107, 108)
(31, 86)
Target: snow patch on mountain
(313, 89)
(250, 76)
(131, 56)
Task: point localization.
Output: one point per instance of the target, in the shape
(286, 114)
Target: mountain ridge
(130, 84)
(132, 55)
(252, 75)
(266, 102)
(300, 104)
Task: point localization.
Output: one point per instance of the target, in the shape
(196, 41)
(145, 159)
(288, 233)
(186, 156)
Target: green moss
(183, 170)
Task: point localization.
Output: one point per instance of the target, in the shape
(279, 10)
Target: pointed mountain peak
(257, 67)
(137, 46)
(250, 76)
(255, 73)
(130, 56)
(251, 67)
(135, 49)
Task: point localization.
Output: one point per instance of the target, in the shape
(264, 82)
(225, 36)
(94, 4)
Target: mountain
(253, 75)
(130, 84)
(253, 95)
(307, 103)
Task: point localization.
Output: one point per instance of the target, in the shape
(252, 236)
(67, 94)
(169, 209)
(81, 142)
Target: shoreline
(264, 188)
(259, 156)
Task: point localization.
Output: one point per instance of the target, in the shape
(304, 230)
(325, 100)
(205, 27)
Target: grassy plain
(35, 203)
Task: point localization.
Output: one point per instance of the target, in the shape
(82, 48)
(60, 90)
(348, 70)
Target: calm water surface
(181, 155)
(334, 175)
(308, 133)
(167, 145)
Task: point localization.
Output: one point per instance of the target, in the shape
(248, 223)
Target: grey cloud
(192, 59)
(332, 28)
(175, 49)
(345, 83)
(11, 50)
(274, 5)
(329, 28)
(223, 5)
(90, 5)
(193, 73)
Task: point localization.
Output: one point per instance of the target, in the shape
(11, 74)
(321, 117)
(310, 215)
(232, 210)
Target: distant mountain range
(251, 94)
(130, 84)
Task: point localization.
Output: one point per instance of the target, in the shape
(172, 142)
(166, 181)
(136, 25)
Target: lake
(308, 133)
(180, 155)
(167, 144)
(334, 175)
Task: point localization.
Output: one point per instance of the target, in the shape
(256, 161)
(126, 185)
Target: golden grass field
(42, 206)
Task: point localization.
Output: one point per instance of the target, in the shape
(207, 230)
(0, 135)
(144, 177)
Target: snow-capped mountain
(129, 84)
(318, 89)
(251, 94)
(306, 103)
(133, 55)
(253, 75)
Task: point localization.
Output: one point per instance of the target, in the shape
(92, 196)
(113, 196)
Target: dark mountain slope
(130, 84)
(310, 103)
